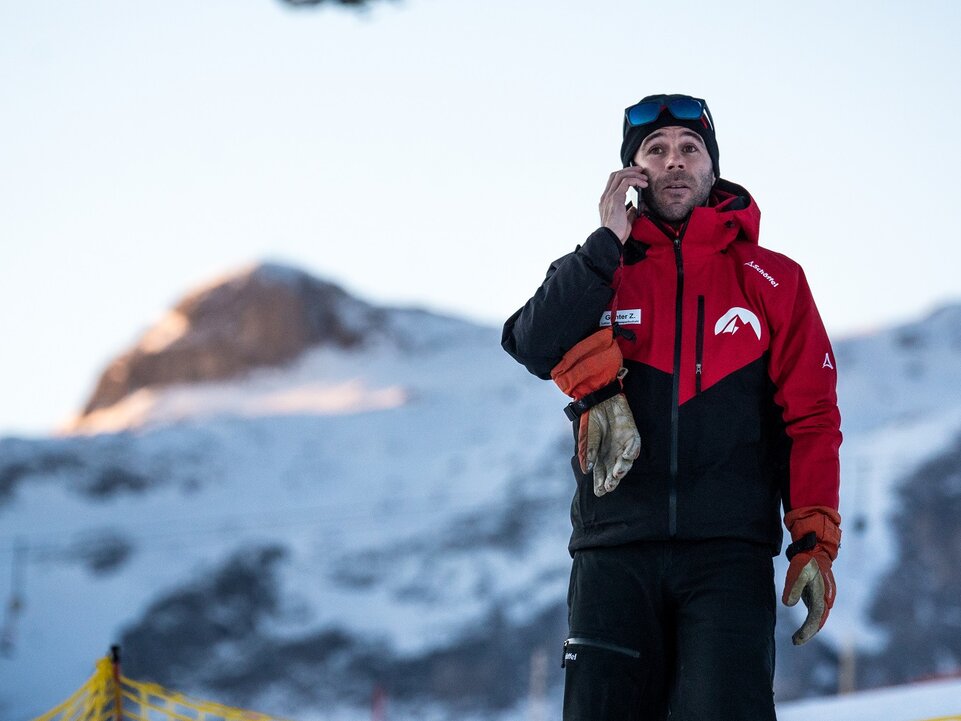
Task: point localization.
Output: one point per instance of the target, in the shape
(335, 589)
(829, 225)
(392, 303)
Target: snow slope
(377, 509)
(900, 398)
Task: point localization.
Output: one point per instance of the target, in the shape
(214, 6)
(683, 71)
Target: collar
(731, 214)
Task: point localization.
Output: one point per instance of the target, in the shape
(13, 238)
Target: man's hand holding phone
(616, 214)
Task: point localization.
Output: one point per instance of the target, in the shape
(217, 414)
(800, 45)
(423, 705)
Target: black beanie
(634, 134)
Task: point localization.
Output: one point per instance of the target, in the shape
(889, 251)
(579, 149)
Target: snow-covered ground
(930, 701)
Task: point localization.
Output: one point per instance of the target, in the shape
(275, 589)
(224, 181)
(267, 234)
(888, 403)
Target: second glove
(816, 531)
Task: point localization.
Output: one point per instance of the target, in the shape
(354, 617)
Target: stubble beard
(674, 212)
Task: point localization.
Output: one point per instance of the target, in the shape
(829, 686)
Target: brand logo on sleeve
(764, 274)
(735, 319)
(624, 317)
(827, 362)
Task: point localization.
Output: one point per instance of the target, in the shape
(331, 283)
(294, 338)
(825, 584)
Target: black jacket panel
(567, 306)
(732, 463)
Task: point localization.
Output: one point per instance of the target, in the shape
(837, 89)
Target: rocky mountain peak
(260, 316)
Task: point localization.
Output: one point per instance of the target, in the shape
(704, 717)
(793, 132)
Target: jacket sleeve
(803, 369)
(567, 307)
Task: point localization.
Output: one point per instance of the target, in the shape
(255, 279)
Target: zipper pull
(618, 329)
(697, 369)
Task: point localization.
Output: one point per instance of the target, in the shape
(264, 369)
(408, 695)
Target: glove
(817, 534)
(608, 442)
(607, 438)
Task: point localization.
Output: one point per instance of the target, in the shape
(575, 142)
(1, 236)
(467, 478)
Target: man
(704, 399)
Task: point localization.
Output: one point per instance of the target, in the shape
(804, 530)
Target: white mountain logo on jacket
(735, 319)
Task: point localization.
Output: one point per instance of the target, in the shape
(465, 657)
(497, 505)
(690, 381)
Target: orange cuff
(823, 521)
(589, 365)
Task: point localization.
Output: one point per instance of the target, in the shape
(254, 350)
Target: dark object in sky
(322, 2)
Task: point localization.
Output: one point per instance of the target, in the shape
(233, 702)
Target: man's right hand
(615, 215)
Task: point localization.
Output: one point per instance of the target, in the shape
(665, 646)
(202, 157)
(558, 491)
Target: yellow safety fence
(110, 696)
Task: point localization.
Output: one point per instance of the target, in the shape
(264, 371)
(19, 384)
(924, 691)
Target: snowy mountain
(260, 317)
(376, 498)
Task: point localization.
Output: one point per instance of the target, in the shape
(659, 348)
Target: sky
(440, 153)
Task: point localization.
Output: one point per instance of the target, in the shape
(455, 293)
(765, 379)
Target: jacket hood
(731, 214)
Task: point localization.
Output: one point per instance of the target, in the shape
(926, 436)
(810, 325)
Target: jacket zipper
(675, 387)
(576, 641)
(699, 345)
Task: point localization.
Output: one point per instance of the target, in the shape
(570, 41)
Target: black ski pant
(675, 629)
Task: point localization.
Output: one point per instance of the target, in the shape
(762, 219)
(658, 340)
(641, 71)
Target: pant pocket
(571, 645)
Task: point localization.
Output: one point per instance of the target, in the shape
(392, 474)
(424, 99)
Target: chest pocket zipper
(595, 643)
(699, 345)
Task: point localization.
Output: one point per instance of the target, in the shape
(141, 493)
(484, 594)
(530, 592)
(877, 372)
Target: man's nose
(675, 161)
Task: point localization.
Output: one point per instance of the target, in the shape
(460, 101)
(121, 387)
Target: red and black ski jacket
(731, 376)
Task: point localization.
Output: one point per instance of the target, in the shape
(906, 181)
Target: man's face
(679, 170)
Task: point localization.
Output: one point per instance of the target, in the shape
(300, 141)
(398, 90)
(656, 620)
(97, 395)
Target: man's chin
(673, 212)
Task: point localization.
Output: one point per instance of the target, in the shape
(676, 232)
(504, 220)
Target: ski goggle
(682, 108)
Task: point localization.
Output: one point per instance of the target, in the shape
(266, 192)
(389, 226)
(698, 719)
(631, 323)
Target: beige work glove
(607, 439)
(608, 442)
(816, 531)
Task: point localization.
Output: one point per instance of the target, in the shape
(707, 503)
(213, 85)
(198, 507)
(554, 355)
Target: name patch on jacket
(624, 317)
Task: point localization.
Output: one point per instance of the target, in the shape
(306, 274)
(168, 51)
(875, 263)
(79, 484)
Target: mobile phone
(634, 197)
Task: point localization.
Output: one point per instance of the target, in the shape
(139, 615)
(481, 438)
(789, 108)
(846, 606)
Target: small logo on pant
(569, 656)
